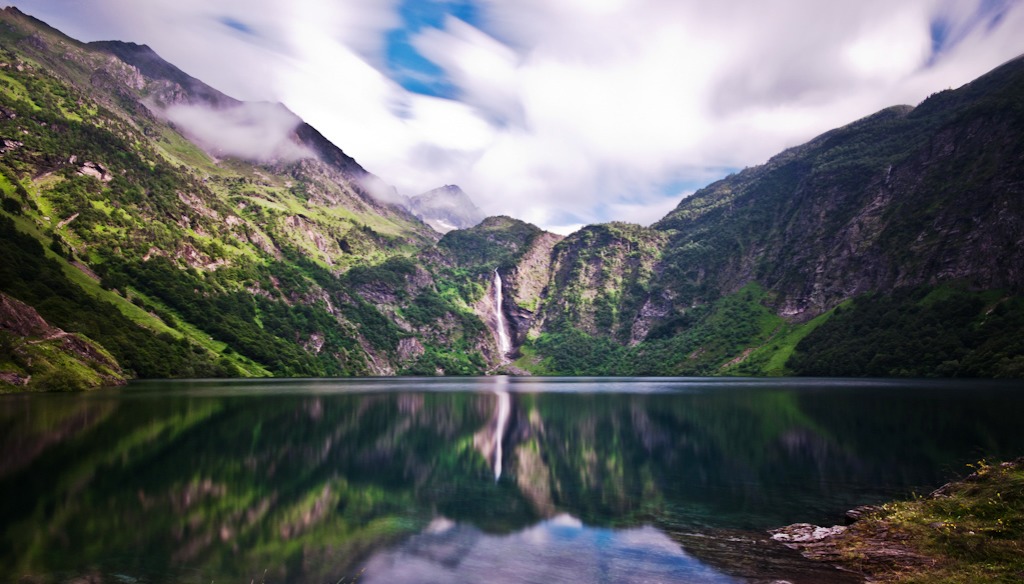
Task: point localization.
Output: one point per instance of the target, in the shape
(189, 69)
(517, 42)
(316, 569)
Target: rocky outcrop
(527, 285)
(22, 320)
(409, 349)
(37, 355)
(880, 549)
(885, 543)
(170, 84)
(601, 277)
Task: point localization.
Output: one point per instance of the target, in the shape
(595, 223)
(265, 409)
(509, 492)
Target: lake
(491, 479)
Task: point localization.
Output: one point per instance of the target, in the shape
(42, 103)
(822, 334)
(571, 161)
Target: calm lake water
(470, 480)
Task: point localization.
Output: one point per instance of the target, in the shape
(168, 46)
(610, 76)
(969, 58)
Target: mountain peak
(153, 66)
(446, 208)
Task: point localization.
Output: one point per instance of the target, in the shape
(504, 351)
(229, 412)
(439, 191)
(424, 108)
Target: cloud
(601, 103)
(257, 131)
(573, 111)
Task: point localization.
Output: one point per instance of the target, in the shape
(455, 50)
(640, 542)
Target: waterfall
(504, 407)
(504, 344)
(504, 401)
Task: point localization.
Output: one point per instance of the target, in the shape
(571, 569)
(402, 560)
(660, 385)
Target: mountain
(446, 208)
(191, 234)
(180, 232)
(914, 209)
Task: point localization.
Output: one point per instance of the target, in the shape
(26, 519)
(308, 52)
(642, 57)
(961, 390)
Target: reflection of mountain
(308, 484)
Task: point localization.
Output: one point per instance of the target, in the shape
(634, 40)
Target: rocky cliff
(905, 197)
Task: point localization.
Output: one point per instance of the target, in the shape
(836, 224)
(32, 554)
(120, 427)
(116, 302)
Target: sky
(565, 112)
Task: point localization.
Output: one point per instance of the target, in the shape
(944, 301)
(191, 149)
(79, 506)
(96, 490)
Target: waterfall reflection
(489, 440)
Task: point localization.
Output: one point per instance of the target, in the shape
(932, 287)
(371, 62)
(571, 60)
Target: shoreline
(968, 530)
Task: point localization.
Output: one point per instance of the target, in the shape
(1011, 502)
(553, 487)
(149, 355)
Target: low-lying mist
(256, 131)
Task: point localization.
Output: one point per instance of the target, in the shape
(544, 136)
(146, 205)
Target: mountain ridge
(245, 264)
(291, 259)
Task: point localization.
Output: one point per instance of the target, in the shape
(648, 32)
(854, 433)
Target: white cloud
(569, 112)
(485, 69)
(257, 131)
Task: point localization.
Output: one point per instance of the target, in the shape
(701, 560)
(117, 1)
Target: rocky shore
(970, 530)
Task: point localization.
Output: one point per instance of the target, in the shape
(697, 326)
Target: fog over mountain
(569, 113)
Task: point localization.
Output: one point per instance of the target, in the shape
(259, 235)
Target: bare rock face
(529, 278)
(95, 170)
(22, 320)
(8, 145)
(410, 348)
(31, 333)
(527, 285)
(653, 309)
(599, 279)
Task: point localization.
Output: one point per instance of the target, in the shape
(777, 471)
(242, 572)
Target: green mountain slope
(906, 199)
(240, 258)
(139, 211)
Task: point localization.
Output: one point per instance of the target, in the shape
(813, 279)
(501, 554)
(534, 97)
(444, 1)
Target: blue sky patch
(405, 65)
(677, 187)
(237, 25)
(946, 34)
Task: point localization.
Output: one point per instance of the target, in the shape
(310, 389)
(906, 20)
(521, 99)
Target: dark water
(469, 480)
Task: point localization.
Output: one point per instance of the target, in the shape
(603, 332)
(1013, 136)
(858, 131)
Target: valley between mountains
(138, 242)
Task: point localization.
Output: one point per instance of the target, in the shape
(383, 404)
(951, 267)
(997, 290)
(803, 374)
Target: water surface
(469, 480)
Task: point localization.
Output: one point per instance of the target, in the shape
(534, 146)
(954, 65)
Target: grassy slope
(29, 223)
(969, 531)
(256, 252)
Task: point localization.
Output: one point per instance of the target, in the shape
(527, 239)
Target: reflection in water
(489, 439)
(504, 406)
(318, 480)
(560, 549)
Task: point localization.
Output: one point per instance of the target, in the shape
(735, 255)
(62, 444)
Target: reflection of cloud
(257, 131)
(559, 550)
(440, 525)
(566, 520)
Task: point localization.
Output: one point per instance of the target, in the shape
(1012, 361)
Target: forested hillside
(911, 219)
(892, 246)
(184, 260)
